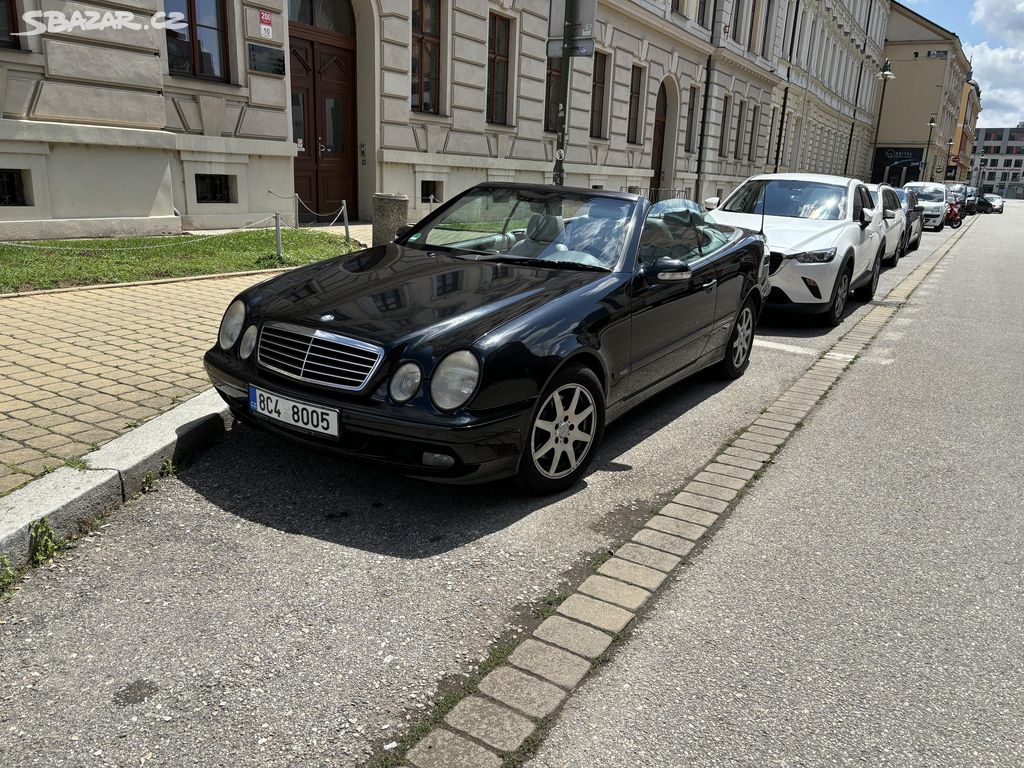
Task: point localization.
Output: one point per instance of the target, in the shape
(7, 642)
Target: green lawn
(66, 263)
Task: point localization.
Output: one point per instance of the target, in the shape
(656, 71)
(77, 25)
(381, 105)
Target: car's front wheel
(737, 352)
(867, 291)
(840, 294)
(565, 431)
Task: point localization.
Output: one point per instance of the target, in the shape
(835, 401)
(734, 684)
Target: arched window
(330, 15)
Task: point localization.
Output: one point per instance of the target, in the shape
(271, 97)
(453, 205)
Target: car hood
(395, 296)
(787, 234)
(930, 205)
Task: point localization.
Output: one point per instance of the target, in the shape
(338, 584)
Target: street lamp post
(949, 152)
(931, 127)
(885, 74)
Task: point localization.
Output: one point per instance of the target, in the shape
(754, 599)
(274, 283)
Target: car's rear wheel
(913, 246)
(737, 352)
(564, 432)
(867, 291)
(897, 253)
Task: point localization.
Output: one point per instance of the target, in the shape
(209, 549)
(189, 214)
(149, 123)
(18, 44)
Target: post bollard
(389, 213)
(277, 233)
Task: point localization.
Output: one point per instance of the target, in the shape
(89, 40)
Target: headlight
(405, 382)
(814, 257)
(454, 380)
(248, 342)
(231, 325)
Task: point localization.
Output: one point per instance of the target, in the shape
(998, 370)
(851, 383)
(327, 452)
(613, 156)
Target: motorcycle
(954, 217)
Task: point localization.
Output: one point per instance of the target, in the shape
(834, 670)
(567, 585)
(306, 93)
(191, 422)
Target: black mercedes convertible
(498, 336)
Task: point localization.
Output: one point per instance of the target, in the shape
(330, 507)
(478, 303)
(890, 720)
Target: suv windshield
(931, 194)
(553, 227)
(791, 198)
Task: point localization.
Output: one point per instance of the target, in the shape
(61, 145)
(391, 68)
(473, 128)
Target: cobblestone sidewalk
(79, 368)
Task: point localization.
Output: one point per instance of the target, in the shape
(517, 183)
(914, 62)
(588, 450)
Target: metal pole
(277, 232)
(344, 214)
(928, 146)
(878, 121)
(568, 34)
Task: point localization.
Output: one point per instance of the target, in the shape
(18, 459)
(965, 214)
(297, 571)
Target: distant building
(959, 166)
(999, 156)
(930, 71)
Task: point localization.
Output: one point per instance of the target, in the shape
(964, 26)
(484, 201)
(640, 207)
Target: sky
(992, 33)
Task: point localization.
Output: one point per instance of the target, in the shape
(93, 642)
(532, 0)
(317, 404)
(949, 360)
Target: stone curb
(116, 473)
(482, 729)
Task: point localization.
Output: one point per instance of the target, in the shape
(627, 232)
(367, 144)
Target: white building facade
(423, 98)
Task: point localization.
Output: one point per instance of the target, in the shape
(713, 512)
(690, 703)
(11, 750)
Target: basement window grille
(12, 187)
(214, 188)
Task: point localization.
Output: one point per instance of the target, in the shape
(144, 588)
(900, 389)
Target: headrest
(544, 228)
(607, 209)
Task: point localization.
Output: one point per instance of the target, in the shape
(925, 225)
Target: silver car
(935, 198)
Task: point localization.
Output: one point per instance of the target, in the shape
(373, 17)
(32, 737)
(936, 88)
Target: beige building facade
(958, 168)
(930, 71)
(128, 131)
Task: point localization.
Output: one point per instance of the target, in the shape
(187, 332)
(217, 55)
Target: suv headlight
(454, 380)
(814, 257)
(405, 382)
(231, 325)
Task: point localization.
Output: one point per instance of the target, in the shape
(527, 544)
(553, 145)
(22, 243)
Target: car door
(866, 237)
(893, 226)
(671, 312)
(726, 263)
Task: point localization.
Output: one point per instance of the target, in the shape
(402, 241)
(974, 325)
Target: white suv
(935, 199)
(824, 233)
(895, 227)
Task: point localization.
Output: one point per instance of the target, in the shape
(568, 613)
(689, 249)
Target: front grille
(318, 357)
(775, 263)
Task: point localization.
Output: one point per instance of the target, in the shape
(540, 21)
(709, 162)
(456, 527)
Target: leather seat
(541, 231)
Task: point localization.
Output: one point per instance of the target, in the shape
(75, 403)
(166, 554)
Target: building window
(430, 191)
(737, 14)
(388, 301)
(702, 12)
(597, 95)
(215, 188)
(498, 45)
(12, 187)
(552, 92)
(755, 126)
(449, 282)
(426, 56)
(633, 135)
(691, 119)
(201, 49)
(741, 114)
(1017, 163)
(8, 24)
(723, 144)
(766, 37)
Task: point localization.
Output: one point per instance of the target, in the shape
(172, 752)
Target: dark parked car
(990, 204)
(498, 336)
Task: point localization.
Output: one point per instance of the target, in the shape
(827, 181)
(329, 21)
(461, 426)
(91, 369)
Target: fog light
(812, 287)
(437, 460)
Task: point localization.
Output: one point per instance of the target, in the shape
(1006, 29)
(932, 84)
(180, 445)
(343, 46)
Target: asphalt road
(864, 604)
(271, 607)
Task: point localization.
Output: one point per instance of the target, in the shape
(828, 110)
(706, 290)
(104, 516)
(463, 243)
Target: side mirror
(402, 230)
(865, 217)
(667, 270)
(889, 214)
(711, 202)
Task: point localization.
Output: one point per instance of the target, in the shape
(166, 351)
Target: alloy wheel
(842, 292)
(563, 431)
(744, 336)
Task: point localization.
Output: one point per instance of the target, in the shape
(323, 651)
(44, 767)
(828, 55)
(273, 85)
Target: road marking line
(797, 350)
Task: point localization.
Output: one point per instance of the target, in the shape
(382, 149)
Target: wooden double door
(323, 121)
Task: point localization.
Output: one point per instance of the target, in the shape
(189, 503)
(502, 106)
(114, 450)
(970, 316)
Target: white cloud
(998, 71)
(1001, 19)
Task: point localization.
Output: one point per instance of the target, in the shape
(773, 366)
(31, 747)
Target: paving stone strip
(514, 700)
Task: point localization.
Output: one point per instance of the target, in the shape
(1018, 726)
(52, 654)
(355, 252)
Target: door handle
(320, 147)
(709, 285)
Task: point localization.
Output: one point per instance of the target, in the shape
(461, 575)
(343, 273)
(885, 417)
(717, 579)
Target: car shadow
(258, 477)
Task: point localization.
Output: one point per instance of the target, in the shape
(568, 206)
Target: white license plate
(311, 418)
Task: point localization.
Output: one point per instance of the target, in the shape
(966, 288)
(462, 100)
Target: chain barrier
(343, 210)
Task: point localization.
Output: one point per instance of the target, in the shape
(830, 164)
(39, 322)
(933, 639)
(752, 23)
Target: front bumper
(483, 448)
(803, 287)
(934, 220)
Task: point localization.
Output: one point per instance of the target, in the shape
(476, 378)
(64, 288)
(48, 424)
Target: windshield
(901, 194)
(992, 198)
(792, 198)
(555, 227)
(931, 194)
(676, 204)
(874, 196)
